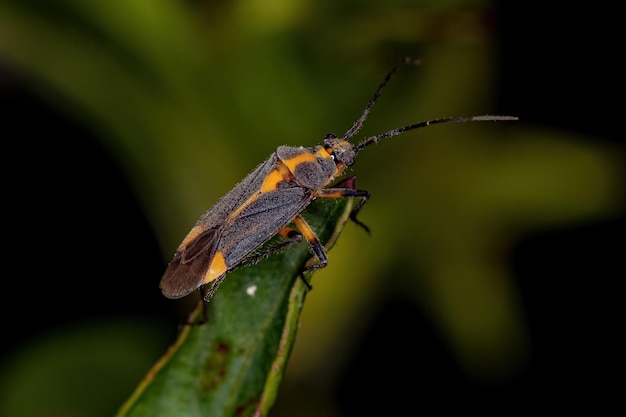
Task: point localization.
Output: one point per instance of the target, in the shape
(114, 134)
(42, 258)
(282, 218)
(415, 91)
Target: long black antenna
(395, 132)
(359, 123)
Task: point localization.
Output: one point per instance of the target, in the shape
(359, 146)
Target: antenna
(396, 132)
(359, 123)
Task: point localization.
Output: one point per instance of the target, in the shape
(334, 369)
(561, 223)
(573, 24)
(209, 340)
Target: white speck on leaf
(251, 290)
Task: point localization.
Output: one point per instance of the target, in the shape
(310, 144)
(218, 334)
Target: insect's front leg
(345, 189)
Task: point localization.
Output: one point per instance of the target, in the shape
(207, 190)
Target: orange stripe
(292, 163)
(217, 268)
(191, 236)
(277, 175)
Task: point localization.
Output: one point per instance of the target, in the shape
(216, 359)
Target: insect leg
(213, 288)
(316, 245)
(345, 189)
(205, 310)
(292, 236)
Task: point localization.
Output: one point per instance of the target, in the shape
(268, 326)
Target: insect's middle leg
(316, 245)
(290, 235)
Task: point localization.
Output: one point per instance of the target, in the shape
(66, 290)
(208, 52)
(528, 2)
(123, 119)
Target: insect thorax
(312, 168)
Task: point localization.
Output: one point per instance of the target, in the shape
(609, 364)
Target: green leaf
(233, 364)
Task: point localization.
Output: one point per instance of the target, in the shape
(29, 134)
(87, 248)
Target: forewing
(260, 221)
(238, 195)
(188, 267)
(186, 270)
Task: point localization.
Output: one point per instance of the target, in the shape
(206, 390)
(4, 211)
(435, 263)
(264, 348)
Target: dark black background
(67, 207)
(560, 69)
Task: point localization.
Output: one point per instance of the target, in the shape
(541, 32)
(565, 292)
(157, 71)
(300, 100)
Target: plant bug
(270, 200)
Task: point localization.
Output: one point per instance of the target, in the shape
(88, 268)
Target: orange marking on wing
(191, 236)
(217, 268)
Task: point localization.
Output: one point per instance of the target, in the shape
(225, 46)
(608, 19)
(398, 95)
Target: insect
(269, 202)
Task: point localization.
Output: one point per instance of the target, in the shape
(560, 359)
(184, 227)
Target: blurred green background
(489, 280)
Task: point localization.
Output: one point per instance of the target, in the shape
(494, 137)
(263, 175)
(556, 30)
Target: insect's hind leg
(206, 291)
